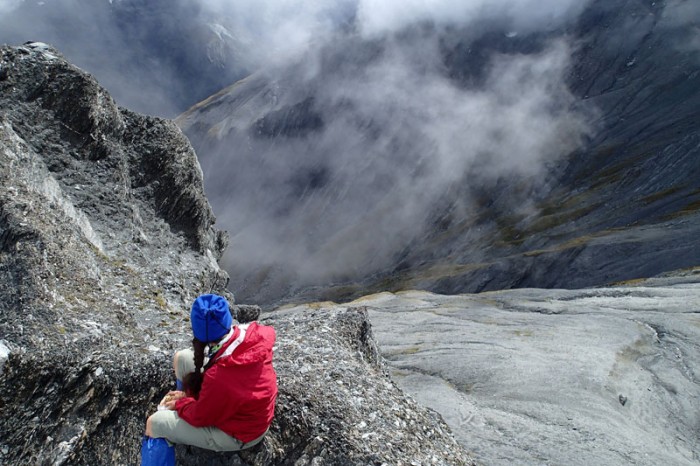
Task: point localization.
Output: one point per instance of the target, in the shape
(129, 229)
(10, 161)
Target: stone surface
(602, 376)
(106, 238)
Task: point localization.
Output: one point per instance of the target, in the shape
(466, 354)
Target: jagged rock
(105, 239)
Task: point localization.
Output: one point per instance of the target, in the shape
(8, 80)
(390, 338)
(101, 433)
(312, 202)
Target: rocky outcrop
(105, 239)
(336, 403)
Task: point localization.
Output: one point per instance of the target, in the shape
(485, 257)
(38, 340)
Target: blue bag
(157, 452)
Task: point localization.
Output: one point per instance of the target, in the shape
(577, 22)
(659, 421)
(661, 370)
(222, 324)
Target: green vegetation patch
(630, 282)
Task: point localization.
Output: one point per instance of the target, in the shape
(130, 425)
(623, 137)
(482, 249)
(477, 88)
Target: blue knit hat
(210, 318)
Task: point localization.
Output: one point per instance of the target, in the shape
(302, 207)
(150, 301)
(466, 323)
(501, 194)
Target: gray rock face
(105, 239)
(597, 376)
(97, 203)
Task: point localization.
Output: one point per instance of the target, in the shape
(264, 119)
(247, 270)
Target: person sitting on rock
(228, 403)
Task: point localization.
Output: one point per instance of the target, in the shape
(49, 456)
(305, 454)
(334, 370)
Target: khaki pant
(168, 425)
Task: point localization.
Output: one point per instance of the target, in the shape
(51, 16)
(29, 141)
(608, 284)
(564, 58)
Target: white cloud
(381, 186)
(7, 6)
(279, 30)
(380, 16)
(398, 129)
(275, 30)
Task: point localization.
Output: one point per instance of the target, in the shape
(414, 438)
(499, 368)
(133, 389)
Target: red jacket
(239, 391)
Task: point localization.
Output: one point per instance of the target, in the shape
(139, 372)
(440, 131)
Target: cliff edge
(106, 237)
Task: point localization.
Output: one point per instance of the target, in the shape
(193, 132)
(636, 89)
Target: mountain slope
(156, 57)
(458, 160)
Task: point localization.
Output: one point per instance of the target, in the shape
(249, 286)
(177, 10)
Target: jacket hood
(256, 348)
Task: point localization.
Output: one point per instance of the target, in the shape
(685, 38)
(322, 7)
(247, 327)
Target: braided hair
(192, 382)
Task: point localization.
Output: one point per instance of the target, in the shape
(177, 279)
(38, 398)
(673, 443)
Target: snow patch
(41, 181)
(4, 354)
(220, 31)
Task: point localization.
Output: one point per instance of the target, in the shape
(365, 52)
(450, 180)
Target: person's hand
(171, 398)
(176, 394)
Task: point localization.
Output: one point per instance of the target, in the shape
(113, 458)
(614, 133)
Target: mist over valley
(363, 146)
(472, 224)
